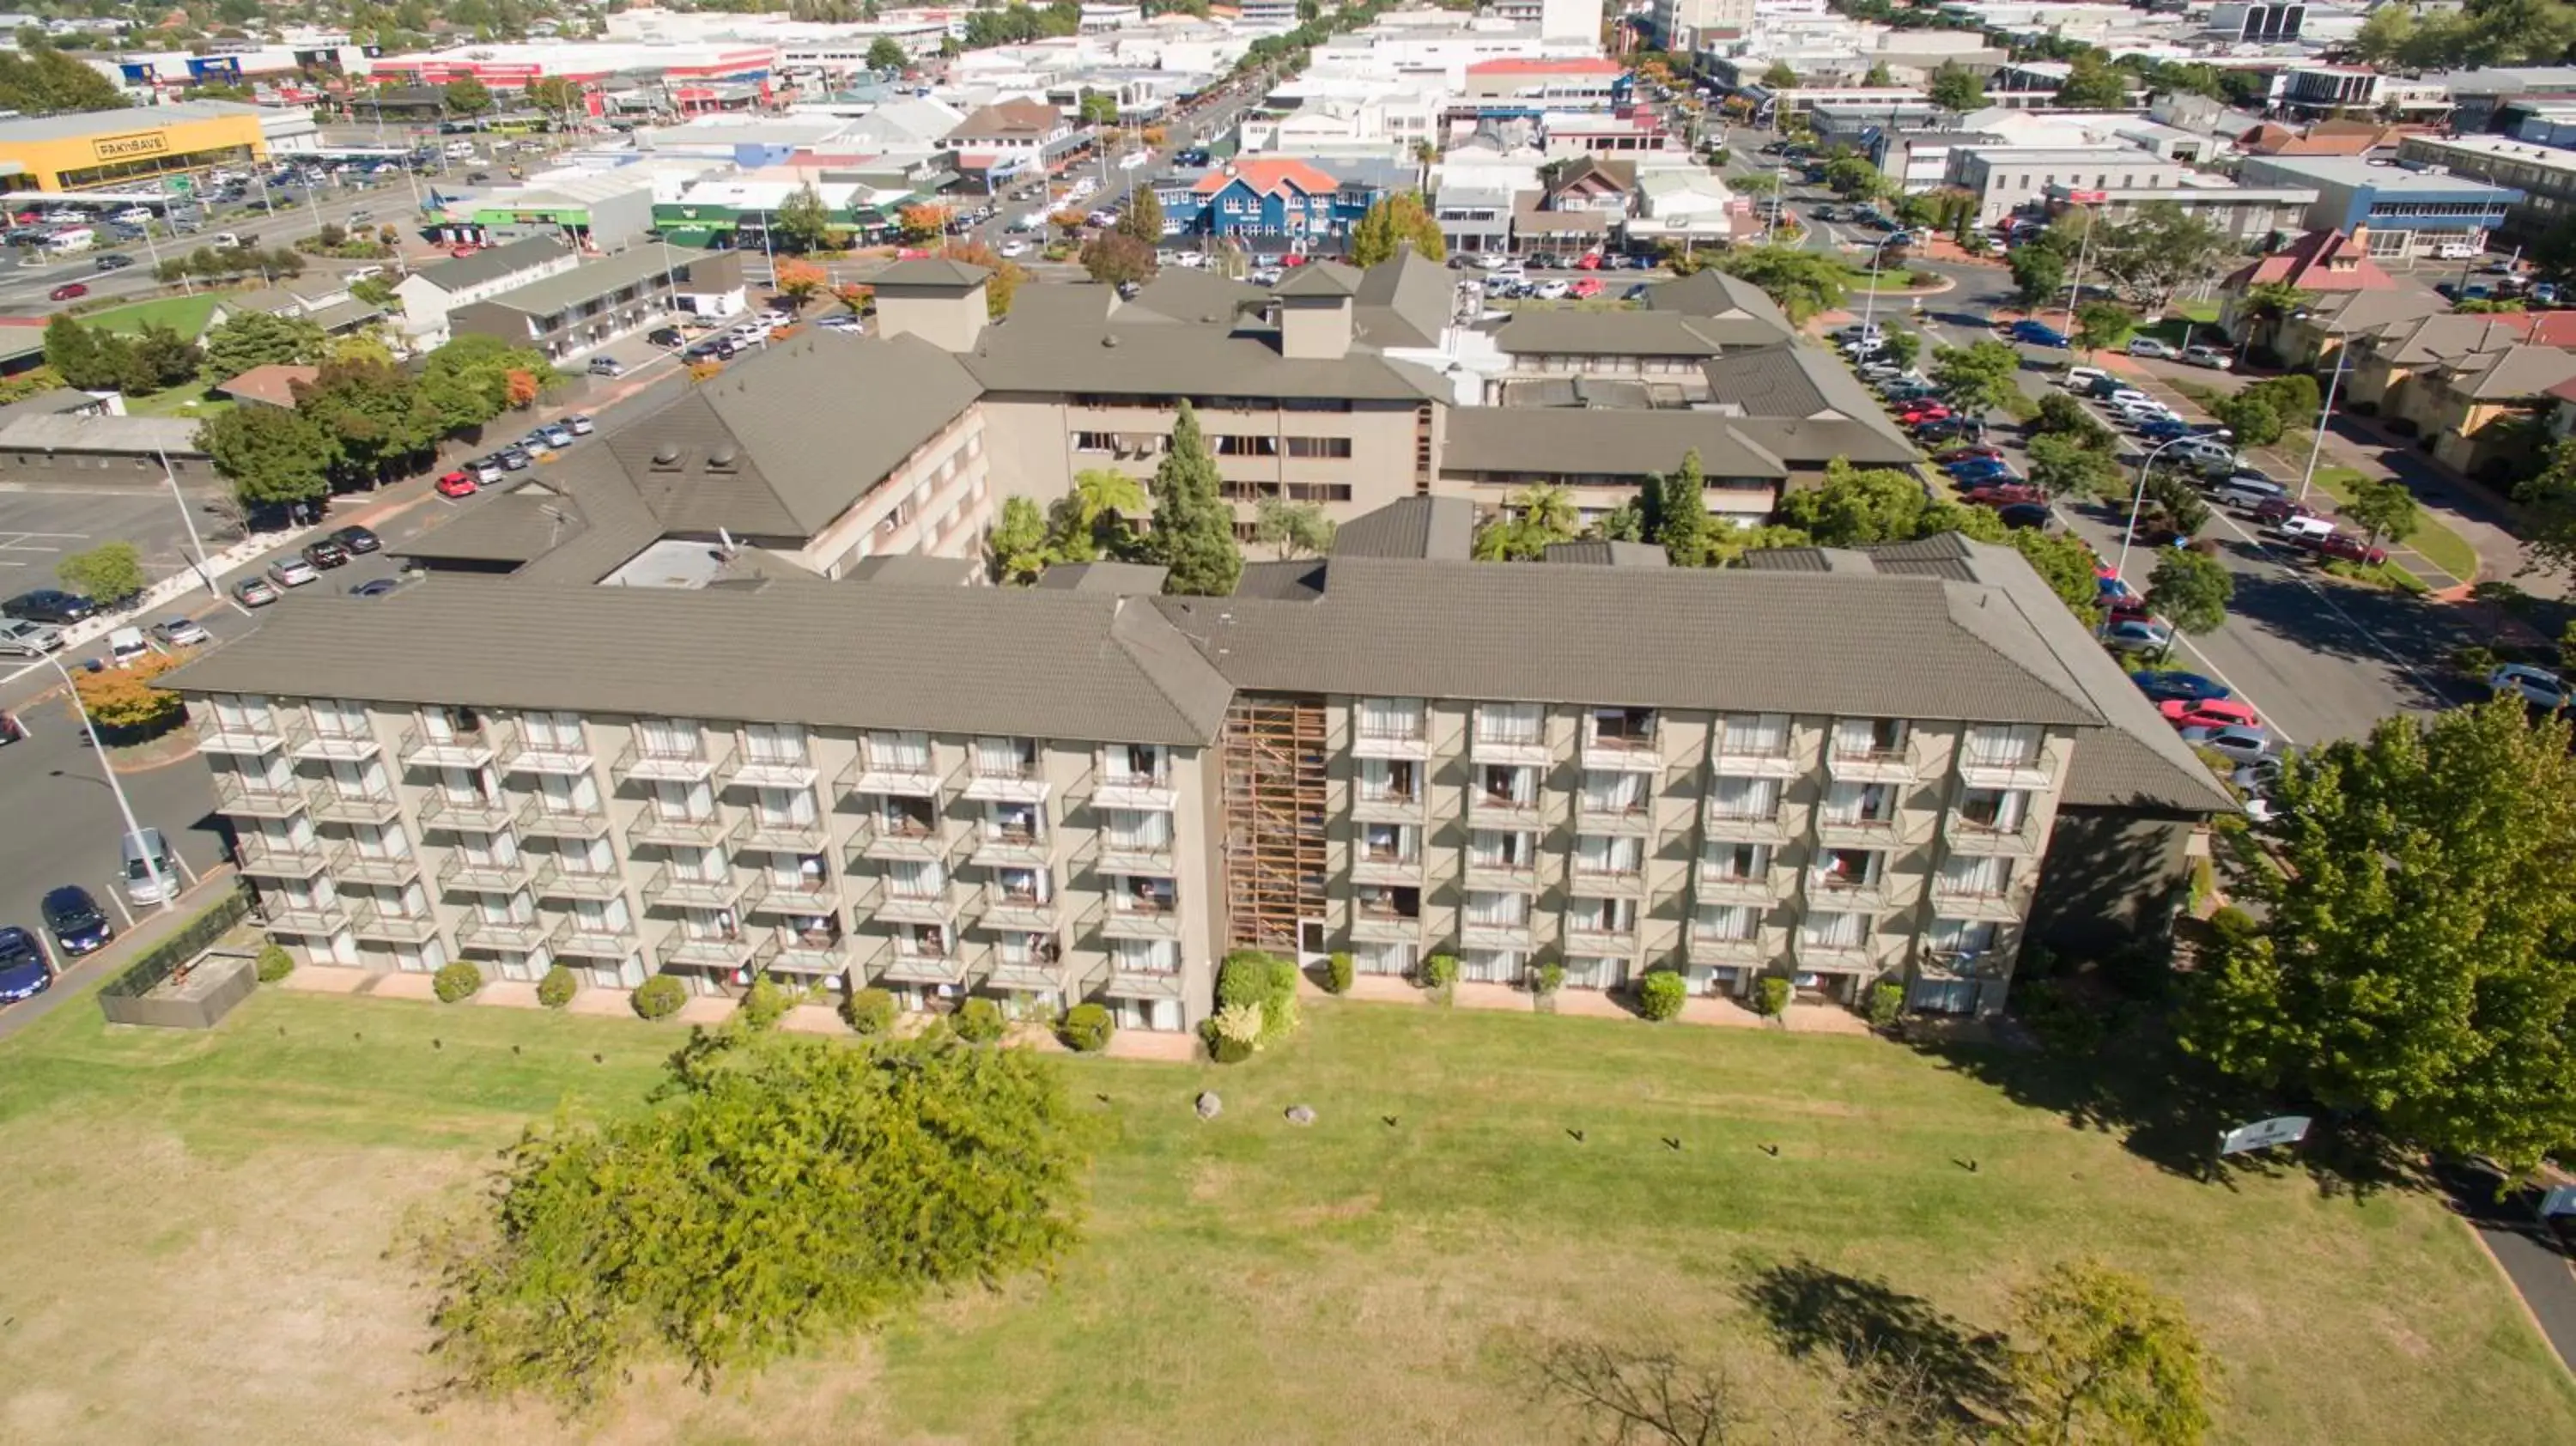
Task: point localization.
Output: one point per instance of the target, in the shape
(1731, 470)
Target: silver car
(291, 572)
(23, 639)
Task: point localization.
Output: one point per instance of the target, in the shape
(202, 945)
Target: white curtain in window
(1996, 745)
(899, 752)
(560, 732)
(1497, 909)
(1002, 757)
(242, 713)
(1724, 922)
(1963, 874)
(1613, 792)
(1596, 854)
(1130, 828)
(785, 807)
(706, 865)
(338, 718)
(1746, 797)
(1508, 722)
(1962, 936)
(1837, 931)
(1757, 735)
(670, 737)
(1736, 860)
(916, 878)
(779, 743)
(1390, 717)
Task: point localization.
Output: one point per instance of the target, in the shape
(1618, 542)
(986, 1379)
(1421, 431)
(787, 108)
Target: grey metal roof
(1596, 441)
(53, 403)
(1294, 580)
(906, 567)
(1122, 579)
(549, 294)
(1856, 645)
(491, 264)
(1433, 527)
(1157, 359)
(1068, 665)
(516, 527)
(1602, 552)
(1177, 292)
(1807, 443)
(1790, 380)
(81, 124)
(340, 315)
(1319, 278)
(936, 273)
(1404, 301)
(64, 432)
(1604, 333)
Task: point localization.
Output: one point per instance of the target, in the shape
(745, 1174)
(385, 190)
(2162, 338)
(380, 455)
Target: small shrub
(1085, 1028)
(660, 997)
(2233, 925)
(1265, 983)
(274, 964)
(1774, 997)
(1228, 1051)
(1243, 978)
(1660, 995)
(557, 988)
(765, 1003)
(458, 981)
(868, 1011)
(1233, 1033)
(1886, 1004)
(1440, 975)
(1338, 973)
(1548, 978)
(978, 1021)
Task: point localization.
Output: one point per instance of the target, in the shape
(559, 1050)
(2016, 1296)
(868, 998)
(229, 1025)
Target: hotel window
(1835, 930)
(1858, 803)
(778, 744)
(1601, 916)
(1597, 854)
(1849, 868)
(1744, 798)
(1986, 877)
(665, 737)
(1006, 758)
(1869, 738)
(1135, 894)
(784, 807)
(2002, 746)
(1388, 780)
(683, 802)
(1133, 830)
(1722, 860)
(1720, 923)
(1142, 765)
(1019, 823)
(1399, 719)
(1509, 785)
(1497, 910)
(899, 752)
(1606, 792)
(915, 879)
(1755, 735)
(1387, 901)
(338, 718)
(1962, 938)
(1145, 956)
(1998, 809)
(552, 732)
(1390, 843)
(1494, 848)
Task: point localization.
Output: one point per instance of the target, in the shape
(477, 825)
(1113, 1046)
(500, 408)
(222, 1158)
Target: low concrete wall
(215, 983)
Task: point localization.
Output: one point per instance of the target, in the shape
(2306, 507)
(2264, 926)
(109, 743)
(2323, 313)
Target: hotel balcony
(1128, 917)
(691, 765)
(791, 951)
(1020, 910)
(510, 742)
(1017, 784)
(303, 740)
(1967, 835)
(1772, 826)
(2038, 769)
(591, 939)
(247, 739)
(1614, 816)
(1035, 970)
(1384, 925)
(1623, 753)
(243, 796)
(801, 896)
(1714, 949)
(742, 768)
(669, 889)
(696, 830)
(1386, 866)
(681, 951)
(1393, 742)
(1527, 753)
(1590, 934)
(1762, 889)
(352, 865)
(482, 876)
(1902, 763)
(896, 777)
(263, 857)
(1488, 873)
(1856, 832)
(1131, 983)
(315, 920)
(1009, 847)
(781, 836)
(544, 817)
(1390, 806)
(458, 750)
(2006, 904)
(1493, 933)
(908, 961)
(370, 921)
(1487, 809)
(940, 905)
(1151, 792)
(328, 800)
(1115, 856)
(938, 841)
(1782, 762)
(551, 880)
(1963, 963)
(477, 814)
(1605, 882)
(1834, 956)
(1844, 893)
(513, 936)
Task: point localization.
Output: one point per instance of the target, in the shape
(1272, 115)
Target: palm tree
(2265, 305)
(1092, 519)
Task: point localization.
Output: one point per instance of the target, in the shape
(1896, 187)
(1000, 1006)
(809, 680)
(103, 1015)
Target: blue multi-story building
(2407, 210)
(1296, 205)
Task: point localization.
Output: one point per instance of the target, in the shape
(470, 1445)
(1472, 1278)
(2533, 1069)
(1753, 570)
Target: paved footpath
(2531, 1257)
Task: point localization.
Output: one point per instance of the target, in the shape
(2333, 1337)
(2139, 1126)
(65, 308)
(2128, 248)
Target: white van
(125, 645)
(71, 242)
(225, 241)
(2301, 529)
(2247, 492)
(151, 872)
(2081, 379)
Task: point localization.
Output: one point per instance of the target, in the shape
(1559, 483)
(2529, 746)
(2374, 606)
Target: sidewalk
(72, 985)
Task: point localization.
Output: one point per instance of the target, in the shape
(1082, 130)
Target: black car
(72, 917)
(326, 553)
(114, 261)
(2023, 515)
(663, 336)
(358, 540)
(23, 971)
(49, 605)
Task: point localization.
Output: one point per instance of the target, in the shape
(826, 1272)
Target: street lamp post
(1869, 303)
(133, 830)
(2325, 414)
(2138, 501)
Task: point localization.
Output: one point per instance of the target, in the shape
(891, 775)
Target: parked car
(2133, 635)
(2187, 687)
(376, 587)
(515, 458)
(1978, 469)
(113, 261)
(2245, 492)
(2215, 358)
(1923, 411)
(2456, 251)
(2148, 346)
(2005, 494)
(2023, 516)
(255, 592)
(358, 540)
(68, 291)
(49, 605)
(579, 424)
(292, 572)
(2277, 511)
(1968, 453)
(606, 366)
(23, 970)
(557, 436)
(2036, 333)
(1931, 432)
(2209, 713)
(664, 336)
(2081, 379)
(2344, 548)
(181, 632)
(484, 469)
(2164, 429)
(2234, 742)
(20, 638)
(325, 553)
(456, 484)
(73, 918)
(2537, 686)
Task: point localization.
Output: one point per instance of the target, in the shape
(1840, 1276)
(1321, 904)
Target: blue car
(2181, 687)
(2165, 430)
(22, 966)
(1975, 476)
(73, 918)
(2038, 333)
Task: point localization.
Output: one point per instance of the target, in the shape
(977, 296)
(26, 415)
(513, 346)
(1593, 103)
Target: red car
(2346, 549)
(67, 291)
(2002, 494)
(461, 252)
(1586, 288)
(2126, 607)
(456, 484)
(1969, 453)
(2209, 713)
(1590, 261)
(2274, 510)
(1916, 416)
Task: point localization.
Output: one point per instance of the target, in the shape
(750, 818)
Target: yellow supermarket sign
(126, 148)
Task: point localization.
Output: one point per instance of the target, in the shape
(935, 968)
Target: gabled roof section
(1600, 442)
(1319, 278)
(1270, 178)
(1007, 119)
(1182, 294)
(1736, 312)
(935, 273)
(492, 263)
(1604, 333)
(2319, 261)
(1404, 301)
(1416, 527)
(1602, 552)
(1151, 356)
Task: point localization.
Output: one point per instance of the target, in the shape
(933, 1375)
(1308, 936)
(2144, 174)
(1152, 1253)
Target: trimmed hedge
(557, 988)
(868, 1011)
(1886, 1004)
(660, 997)
(274, 963)
(1338, 973)
(1660, 995)
(979, 1021)
(1085, 1028)
(457, 982)
(1772, 996)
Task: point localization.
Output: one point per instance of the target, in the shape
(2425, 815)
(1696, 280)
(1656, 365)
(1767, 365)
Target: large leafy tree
(467, 96)
(1004, 281)
(1143, 218)
(78, 356)
(373, 418)
(884, 54)
(1531, 519)
(1295, 529)
(2249, 417)
(2063, 465)
(1981, 377)
(1114, 258)
(1681, 520)
(2416, 957)
(1097, 518)
(2191, 590)
(802, 222)
(2383, 509)
(41, 80)
(1387, 226)
(1193, 532)
(2158, 251)
(257, 339)
(2266, 304)
(789, 1190)
(271, 455)
(2101, 325)
(1018, 543)
(1802, 282)
(2101, 1355)
(1857, 507)
(2038, 273)
(107, 572)
(2093, 85)
(1955, 88)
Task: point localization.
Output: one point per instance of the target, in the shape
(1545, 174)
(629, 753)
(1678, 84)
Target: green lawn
(223, 1203)
(187, 401)
(2446, 549)
(186, 315)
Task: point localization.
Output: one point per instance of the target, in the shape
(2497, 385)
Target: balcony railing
(1491, 871)
(1762, 887)
(1891, 763)
(520, 751)
(329, 801)
(1599, 933)
(2037, 768)
(1033, 969)
(1772, 825)
(1503, 748)
(1834, 954)
(1973, 836)
(473, 814)
(1379, 924)
(214, 735)
(516, 936)
(350, 864)
(337, 743)
(1128, 982)
(1622, 752)
(1389, 805)
(638, 765)
(245, 797)
(1398, 741)
(418, 749)
(1385, 866)
(878, 837)
(1502, 810)
(1981, 900)
(781, 836)
(1605, 878)
(1963, 963)
(482, 876)
(1019, 782)
(1128, 917)
(551, 880)
(908, 961)
(1831, 890)
(1615, 815)
(591, 938)
(370, 921)
(695, 830)
(799, 896)
(668, 888)
(1112, 855)
(1494, 933)
(544, 817)
(1023, 910)
(1122, 788)
(312, 919)
(899, 777)
(1856, 828)
(791, 952)
(263, 857)
(1727, 949)
(683, 951)
(914, 905)
(1024, 847)
(743, 768)
(1757, 762)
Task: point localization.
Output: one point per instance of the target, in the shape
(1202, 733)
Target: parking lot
(39, 526)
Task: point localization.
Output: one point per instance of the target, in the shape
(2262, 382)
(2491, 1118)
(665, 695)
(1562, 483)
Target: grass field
(186, 315)
(200, 1228)
(2446, 549)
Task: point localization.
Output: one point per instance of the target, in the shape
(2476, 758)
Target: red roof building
(1525, 65)
(1269, 178)
(2325, 260)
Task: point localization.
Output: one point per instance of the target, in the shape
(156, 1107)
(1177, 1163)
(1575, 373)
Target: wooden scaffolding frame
(1275, 752)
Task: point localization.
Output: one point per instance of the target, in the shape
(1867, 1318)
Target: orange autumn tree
(523, 388)
(800, 282)
(123, 701)
(923, 222)
(999, 287)
(855, 296)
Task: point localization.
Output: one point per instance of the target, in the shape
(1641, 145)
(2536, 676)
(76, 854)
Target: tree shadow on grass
(1911, 1354)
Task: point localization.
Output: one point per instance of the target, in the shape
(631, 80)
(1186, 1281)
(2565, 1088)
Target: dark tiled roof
(1418, 527)
(491, 264)
(1603, 333)
(1404, 302)
(1543, 441)
(1599, 552)
(935, 273)
(1119, 579)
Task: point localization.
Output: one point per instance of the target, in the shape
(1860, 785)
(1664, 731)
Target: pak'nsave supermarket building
(132, 149)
